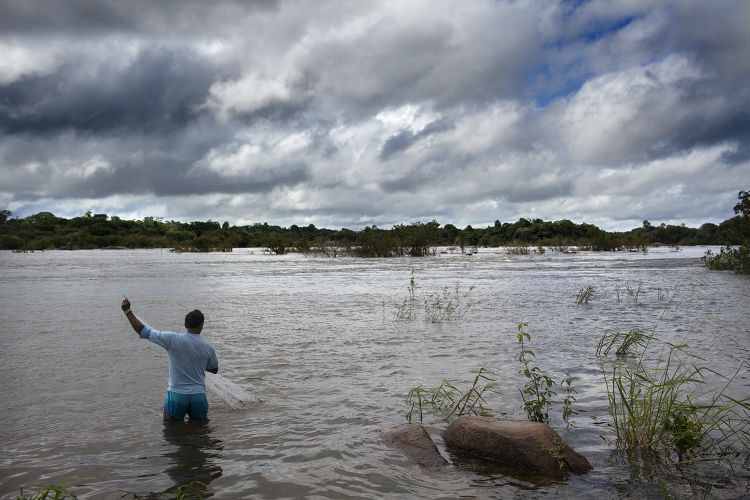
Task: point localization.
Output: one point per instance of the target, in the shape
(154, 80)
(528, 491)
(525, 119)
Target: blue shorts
(177, 405)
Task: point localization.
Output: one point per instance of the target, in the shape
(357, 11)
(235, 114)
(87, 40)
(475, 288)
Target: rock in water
(515, 443)
(416, 444)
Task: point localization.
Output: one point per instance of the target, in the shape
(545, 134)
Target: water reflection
(192, 456)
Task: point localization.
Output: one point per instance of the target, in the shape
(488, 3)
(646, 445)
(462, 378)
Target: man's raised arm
(134, 322)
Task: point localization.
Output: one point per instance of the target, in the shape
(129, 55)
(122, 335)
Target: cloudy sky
(352, 113)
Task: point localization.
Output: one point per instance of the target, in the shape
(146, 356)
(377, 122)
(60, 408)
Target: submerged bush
(585, 295)
(729, 259)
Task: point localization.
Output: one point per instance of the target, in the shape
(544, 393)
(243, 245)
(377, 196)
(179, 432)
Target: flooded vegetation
(638, 360)
(44, 230)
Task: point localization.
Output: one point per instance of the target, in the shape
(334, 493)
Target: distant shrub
(729, 259)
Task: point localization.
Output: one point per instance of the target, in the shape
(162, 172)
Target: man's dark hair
(194, 319)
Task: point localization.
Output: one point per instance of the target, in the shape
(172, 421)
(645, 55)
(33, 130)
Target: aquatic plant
(567, 384)
(518, 250)
(585, 295)
(671, 405)
(448, 304)
(192, 490)
(412, 286)
(625, 342)
(52, 492)
(444, 305)
(448, 400)
(405, 311)
(537, 393)
(633, 292)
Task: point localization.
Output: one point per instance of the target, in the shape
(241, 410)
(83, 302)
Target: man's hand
(134, 322)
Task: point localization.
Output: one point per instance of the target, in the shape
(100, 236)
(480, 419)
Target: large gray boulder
(516, 443)
(416, 444)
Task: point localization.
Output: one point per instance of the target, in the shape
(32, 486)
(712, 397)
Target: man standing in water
(190, 356)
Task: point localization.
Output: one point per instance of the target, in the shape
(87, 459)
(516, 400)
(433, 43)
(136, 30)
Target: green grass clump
(448, 304)
(448, 400)
(51, 492)
(670, 405)
(624, 343)
(196, 490)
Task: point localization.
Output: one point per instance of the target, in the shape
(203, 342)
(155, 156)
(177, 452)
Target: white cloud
(615, 113)
(21, 60)
(257, 158)
(251, 93)
(88, 168)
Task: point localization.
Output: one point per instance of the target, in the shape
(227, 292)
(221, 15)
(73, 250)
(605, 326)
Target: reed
(624, 343)
(633, 292)
(670, 406)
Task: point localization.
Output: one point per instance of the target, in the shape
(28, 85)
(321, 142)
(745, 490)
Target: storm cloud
(345, 114)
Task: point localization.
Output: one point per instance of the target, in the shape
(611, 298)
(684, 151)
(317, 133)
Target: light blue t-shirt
(190, 355)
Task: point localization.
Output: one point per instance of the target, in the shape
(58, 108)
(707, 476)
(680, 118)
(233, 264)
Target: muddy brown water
(321, 342)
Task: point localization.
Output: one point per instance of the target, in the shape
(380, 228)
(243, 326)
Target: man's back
(190, 355)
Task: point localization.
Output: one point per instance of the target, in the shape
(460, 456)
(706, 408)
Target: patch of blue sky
(565, 81)
(605, 28)
(592, 32)
(547, 87)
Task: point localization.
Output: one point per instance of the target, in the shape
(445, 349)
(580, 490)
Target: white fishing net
(232, 394)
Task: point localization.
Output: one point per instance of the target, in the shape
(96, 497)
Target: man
(190, 356)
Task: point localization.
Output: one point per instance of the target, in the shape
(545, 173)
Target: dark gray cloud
(84, 17)
(406, 138)
(348, 113)
(157, 92)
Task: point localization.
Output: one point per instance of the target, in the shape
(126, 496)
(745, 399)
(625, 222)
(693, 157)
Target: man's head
(194, 320)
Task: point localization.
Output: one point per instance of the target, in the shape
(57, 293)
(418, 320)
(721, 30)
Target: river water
(332, 346)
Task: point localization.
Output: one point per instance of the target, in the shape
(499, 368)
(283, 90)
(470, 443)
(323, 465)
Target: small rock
(416, 444)
(516, 443)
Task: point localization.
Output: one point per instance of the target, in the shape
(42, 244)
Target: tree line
(44, 231)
